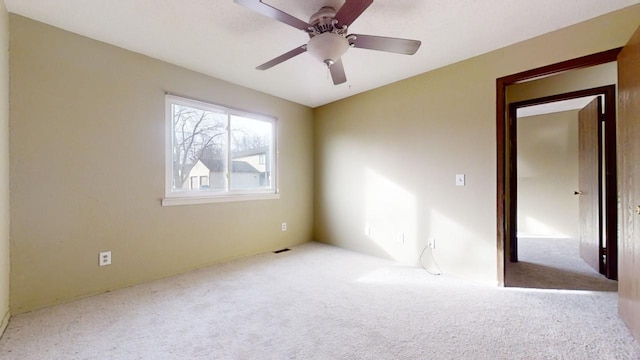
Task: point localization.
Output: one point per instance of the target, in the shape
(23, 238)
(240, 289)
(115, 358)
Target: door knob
(638, 209)
(577, 192)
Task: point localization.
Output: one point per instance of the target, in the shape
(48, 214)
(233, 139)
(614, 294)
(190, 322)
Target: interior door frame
(610, 267)
(503, 192)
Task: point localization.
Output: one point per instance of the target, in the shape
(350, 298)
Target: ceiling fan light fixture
(328, 47)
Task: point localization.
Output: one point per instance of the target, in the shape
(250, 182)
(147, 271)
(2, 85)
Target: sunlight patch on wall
(390, 217)
(456, 246)
(444, 227)
(538, 229)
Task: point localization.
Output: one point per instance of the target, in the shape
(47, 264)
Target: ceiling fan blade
(351, 10)
(282, 58)
(381, 43)
(337, 72)
(267, 10)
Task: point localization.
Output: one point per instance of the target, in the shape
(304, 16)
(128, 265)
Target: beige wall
(548, 175)
(4, 167)
(587, 78)
(87, 171)
(386, 159)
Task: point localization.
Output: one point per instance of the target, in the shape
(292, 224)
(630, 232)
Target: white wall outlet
(284, 226)
(367, 230)
(400, 238)
(432, 243)
(460, 180)
(105, 258)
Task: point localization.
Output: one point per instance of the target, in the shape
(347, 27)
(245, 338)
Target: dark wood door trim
(503, 193)
(512, 206)
(609, 92)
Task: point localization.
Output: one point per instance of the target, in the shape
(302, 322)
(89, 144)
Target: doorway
(506, 229)
(596, 171)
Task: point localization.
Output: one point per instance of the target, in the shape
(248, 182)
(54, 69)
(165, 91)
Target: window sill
(195, 200)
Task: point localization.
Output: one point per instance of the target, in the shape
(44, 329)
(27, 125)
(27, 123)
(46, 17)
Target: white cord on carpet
(439, 272)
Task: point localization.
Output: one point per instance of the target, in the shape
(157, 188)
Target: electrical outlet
(105, 258)
(432, 243)
(284, 226)
(460, 181)
(400, 238)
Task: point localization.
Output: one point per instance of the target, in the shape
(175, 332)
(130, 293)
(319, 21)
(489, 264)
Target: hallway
(554, 264)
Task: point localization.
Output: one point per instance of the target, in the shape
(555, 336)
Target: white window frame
(187, 197)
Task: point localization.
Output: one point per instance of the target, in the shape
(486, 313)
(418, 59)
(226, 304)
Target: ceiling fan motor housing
(323, 21)
(328, 42)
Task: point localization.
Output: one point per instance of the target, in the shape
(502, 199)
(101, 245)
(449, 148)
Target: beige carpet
(321, 302)
(554, 264)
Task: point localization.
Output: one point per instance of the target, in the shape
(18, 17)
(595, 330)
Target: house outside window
(217, 154)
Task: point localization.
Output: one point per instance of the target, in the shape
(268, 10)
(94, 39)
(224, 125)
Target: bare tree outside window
(196, 134)
(216, 150)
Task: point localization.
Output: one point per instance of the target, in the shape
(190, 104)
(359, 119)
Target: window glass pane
(199, 148)
(251, 142)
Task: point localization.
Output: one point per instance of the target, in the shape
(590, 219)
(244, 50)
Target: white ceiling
(227, 41)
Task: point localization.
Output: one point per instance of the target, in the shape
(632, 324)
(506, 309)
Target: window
(217, 154)
(204, 182)
(194, 183)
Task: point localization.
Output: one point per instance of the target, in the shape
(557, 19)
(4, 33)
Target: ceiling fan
(327, 31)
